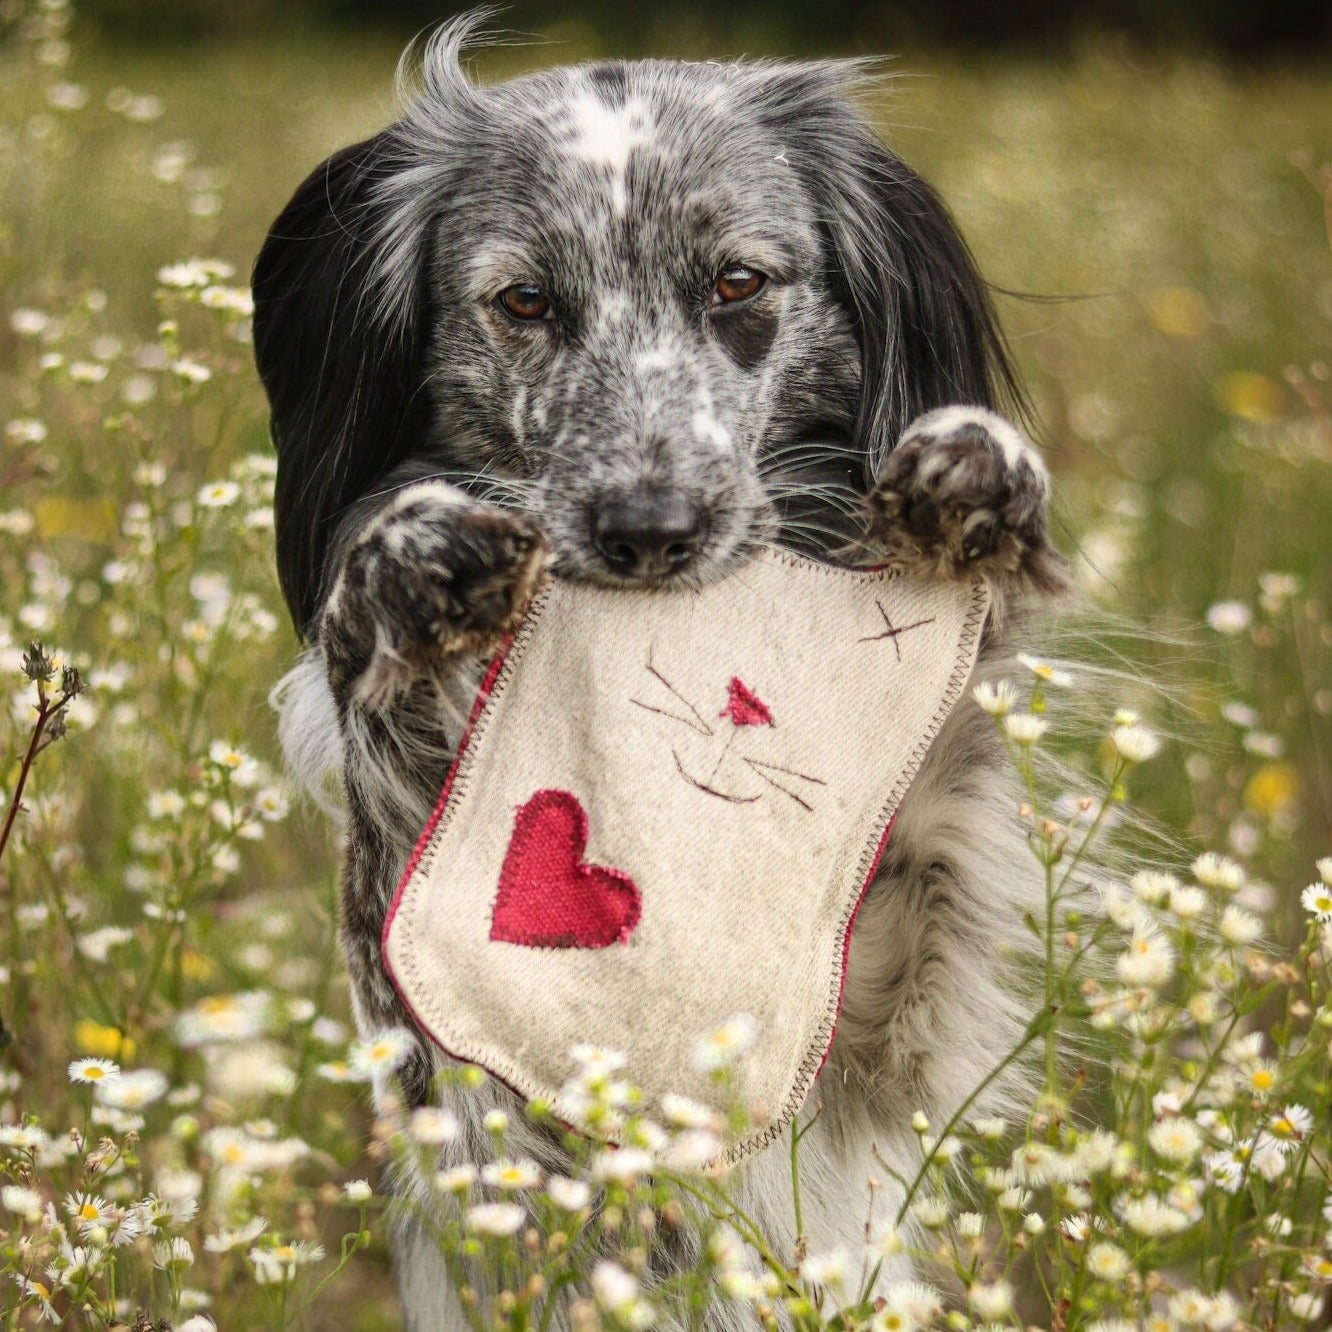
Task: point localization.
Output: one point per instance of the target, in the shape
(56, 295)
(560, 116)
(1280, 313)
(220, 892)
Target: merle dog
(632, 321)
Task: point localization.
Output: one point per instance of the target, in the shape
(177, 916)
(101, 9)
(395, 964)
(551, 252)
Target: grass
(1170, 214)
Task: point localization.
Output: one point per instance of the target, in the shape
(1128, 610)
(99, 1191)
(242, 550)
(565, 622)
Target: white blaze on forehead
(606, 135)
(656, 358)
(710, 430)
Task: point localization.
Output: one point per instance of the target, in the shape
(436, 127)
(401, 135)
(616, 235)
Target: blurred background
(1145, 181)
(1243, 28)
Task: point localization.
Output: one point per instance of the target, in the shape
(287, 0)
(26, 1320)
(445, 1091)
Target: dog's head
(666, 308)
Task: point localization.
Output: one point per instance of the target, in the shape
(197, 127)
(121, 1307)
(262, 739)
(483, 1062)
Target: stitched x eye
(526, 301)
(737, 283)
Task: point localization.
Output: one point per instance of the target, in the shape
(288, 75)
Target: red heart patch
(549, 897)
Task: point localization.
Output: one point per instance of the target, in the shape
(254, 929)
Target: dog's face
(669, 310)
(632, 314)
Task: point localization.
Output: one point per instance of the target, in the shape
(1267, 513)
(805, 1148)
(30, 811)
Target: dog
(632, 322)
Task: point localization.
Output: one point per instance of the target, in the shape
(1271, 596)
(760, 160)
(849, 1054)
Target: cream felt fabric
(733, 757)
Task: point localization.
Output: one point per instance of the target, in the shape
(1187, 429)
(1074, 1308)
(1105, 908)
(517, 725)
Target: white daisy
(93, 1070)
(495, 1219)
(721, 1048)
(570, 1195)
(1045, 671)
(997, 697)
(1135, 744)
(1025, 728)
(511, 1175)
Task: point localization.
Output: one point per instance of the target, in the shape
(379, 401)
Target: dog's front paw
(963, 492)
(433, 577)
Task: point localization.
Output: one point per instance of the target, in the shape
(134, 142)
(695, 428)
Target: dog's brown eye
(525, 300)
(737, 283)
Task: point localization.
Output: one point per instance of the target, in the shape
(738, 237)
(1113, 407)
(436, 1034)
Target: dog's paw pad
(964, 492)
(435, 577)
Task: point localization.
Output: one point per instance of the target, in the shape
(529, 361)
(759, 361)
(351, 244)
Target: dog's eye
(525, 300)
(737, 283)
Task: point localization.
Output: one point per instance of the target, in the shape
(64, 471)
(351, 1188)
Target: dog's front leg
(963, 492)
(432, 578)
(426, 587)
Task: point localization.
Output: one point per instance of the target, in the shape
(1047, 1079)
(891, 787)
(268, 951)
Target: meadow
(185, 1126)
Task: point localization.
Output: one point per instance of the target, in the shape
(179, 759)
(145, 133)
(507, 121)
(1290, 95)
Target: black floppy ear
(922, 313)
(342, 379)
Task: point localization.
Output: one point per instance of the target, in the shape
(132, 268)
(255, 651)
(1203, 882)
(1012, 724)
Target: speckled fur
(435, 454)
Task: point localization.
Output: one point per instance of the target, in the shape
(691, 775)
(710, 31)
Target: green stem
(1116, 777)
(1036, 1027)
(1052, 1032)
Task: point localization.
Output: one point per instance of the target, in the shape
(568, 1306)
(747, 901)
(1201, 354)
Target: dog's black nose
(649, 533)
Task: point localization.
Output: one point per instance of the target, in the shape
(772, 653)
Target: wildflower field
(185, 1132)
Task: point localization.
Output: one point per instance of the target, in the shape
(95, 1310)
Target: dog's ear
(342, 309)
(343, 387)
(921, 311)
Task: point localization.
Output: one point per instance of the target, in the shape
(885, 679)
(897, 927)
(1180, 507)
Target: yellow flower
(1275, 787)
(108, 1042)
(1251, 396)
(1179, 312)
(196, 966)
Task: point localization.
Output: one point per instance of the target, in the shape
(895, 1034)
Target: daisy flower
(219, 494)
(682, 1112)
(1239, 927)
(623, 1165)
(1136, 743)
(513, 1175)
(1316, 899)
(570, 1195)
(384, 1053)
(458, 1179)
(1107, 1262)
(34, 1292)
(826, 1269)
(916, 1300)
(996, 698)
(723, 1046)
(1025, 728)
(432, 1127)
(173, 1255)
(93, 1070)
(1293, 1122)
(1150, 1215)
(495, 1219)
(87, 1209)
(277, 1266)
(991, 1301)
(1217, 871)
(1153, 887)
(616, 1291)
(1175, 1139)
(1229, 617)
(1046, 671)
(1260, 1077)
(692, 1150)
(1148, 961)
(133, 1089)
(25, 1202)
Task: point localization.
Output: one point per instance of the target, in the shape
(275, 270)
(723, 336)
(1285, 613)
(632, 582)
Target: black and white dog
(635, 320)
